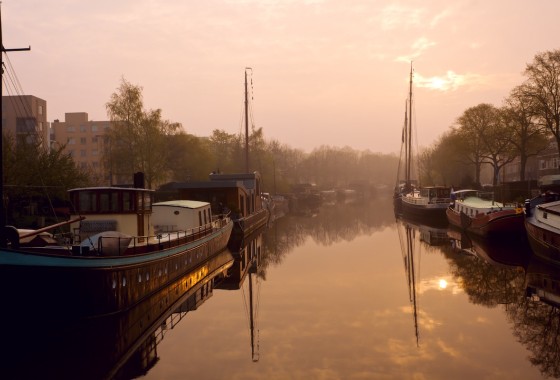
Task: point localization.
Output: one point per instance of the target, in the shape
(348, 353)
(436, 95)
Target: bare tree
(542, 89)
(527, 137)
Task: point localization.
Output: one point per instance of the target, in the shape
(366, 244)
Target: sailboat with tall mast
(241, 193)
(428, 203)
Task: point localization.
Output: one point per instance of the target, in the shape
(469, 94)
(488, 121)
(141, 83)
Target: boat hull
(93, 286)
(494, 223)
(544, 241)
(433, 214)
(245, 226)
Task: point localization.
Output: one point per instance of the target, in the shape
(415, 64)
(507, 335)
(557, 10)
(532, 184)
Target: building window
(83, 128)
(82, 153)
(40, 111)
(25, 125)
(71, 141)
(94, 140)
(83, 165)
(83, 140)
(70, 128)
(94, 128)
(543, 164)
(555, 163)
(94, 152)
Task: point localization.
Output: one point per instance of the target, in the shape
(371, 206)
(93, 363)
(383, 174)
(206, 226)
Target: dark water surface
(348, 292)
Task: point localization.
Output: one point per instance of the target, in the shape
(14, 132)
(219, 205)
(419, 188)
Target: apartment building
(25, 118)
(85, 141)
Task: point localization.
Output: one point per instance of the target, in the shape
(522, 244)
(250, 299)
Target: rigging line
(11, 69)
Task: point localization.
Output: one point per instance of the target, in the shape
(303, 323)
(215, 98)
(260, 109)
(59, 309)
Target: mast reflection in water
(333, 304)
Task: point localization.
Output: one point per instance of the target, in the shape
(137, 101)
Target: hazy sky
(324, 72)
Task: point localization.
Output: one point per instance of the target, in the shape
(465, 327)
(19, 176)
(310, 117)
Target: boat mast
(3, 218)
(409, 133)
(247, 122)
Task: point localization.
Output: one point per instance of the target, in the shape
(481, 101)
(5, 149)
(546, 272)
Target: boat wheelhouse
(240, 193)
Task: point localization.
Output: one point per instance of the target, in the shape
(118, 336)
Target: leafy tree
(137, 139)
(542, 89)
(35, 177)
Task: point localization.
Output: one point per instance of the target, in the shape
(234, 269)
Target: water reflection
(338, 307)
(508, 273)
(44, 344)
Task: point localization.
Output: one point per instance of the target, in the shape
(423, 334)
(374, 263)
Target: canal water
(343, 292)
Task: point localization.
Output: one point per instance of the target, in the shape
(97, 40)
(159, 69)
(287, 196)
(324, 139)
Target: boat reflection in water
(412, 237)
(245, 267)
(527, 286)
(41, 344)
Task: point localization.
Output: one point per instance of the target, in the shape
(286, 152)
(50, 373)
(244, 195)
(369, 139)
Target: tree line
(140, 140)
(521, 128)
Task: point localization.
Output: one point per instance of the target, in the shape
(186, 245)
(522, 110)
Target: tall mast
(3, 242)
(409, 132)
(246, 123)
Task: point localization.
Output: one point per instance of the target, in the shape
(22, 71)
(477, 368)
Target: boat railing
(120, 245)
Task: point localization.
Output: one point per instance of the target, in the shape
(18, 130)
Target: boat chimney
(139, 180)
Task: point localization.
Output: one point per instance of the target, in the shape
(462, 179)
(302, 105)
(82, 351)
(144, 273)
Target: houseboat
(240, 194)
(122, 248)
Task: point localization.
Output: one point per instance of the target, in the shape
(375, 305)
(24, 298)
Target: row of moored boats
(477, 212)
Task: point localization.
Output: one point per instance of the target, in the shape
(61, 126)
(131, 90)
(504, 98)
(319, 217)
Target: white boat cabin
(475, 202)
(181, 215)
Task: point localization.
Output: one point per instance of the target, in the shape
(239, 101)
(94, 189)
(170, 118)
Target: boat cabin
(238, 193)
(122, 209)
(181, 215)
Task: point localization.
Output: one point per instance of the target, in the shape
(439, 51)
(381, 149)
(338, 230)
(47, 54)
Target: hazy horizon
(324, 72)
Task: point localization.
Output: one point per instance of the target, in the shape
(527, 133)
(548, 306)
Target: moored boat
(125, 249)
(542, 222)
(427, 203)
(478, 213)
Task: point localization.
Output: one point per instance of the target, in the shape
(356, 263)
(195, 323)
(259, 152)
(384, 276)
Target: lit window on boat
(114, 285)
(147, 276)
(545, 215)
(139, 277)
(124, 281)
(159, 273)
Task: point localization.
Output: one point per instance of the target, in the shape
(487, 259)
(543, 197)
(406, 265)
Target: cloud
(450, 81)
(418, 47)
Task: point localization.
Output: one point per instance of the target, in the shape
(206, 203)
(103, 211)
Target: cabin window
(87, 201)
(200, 218)
(147, 201)
(109, 202)
(127, 204)
(205, 220)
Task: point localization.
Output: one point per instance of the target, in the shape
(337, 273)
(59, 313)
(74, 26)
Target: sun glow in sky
(324, 72)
